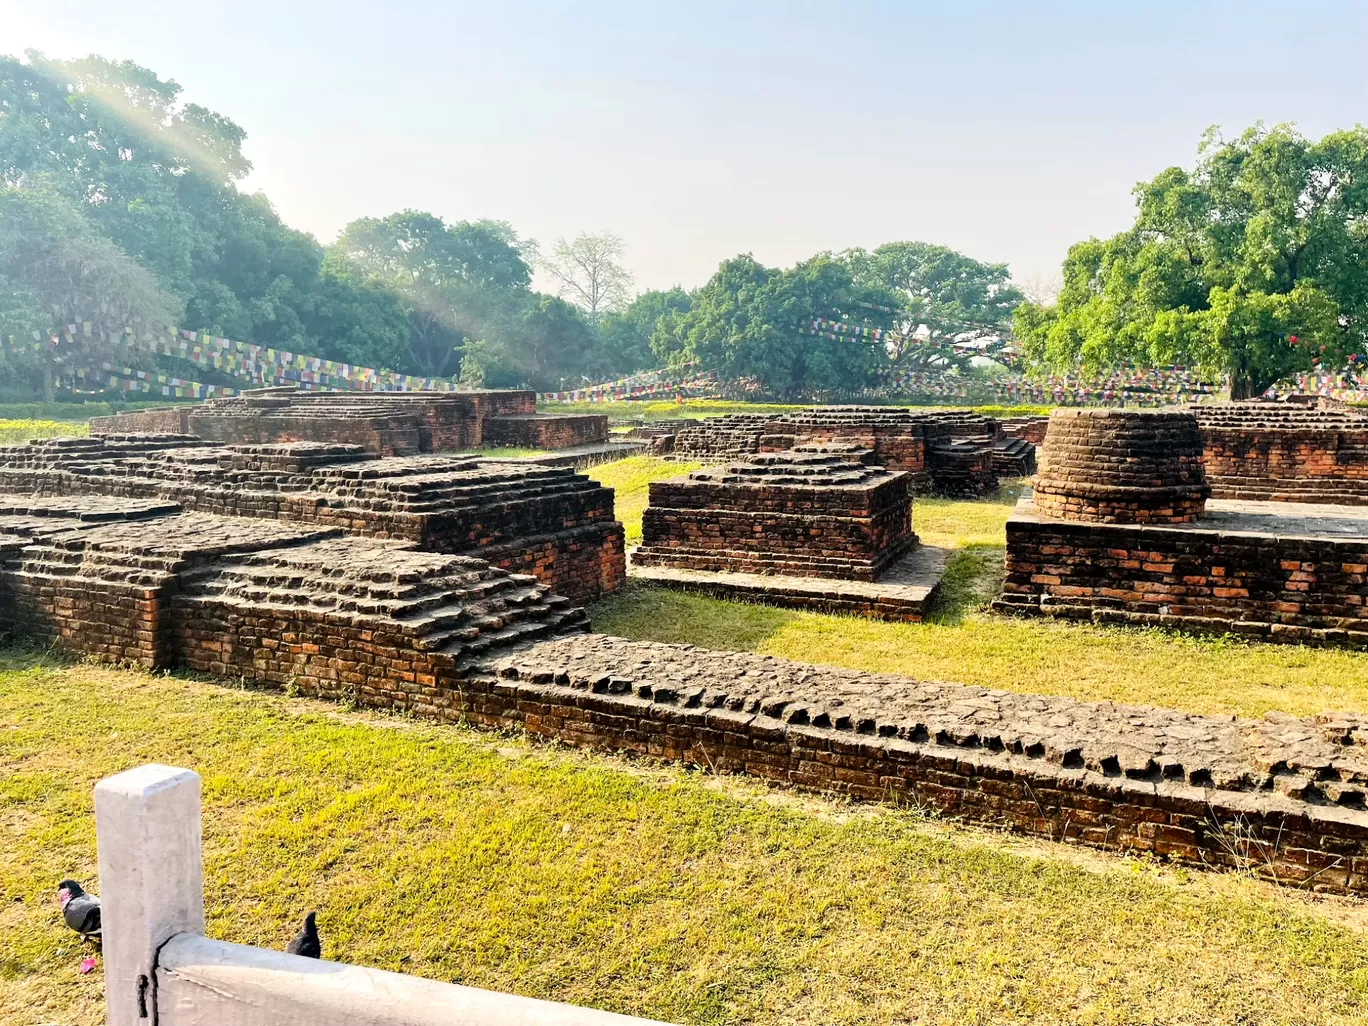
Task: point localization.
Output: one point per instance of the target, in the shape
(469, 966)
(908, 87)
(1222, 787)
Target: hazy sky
(698, 131)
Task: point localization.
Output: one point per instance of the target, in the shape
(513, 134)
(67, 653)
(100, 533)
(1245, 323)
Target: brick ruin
(379, 623)
(524, 517)
(1285, 452)
(821, 526)
(386, 423)
(1120, 531)
(1114, 466)
(817, 511)
(947, 452)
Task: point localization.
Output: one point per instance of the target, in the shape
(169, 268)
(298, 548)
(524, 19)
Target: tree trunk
(49, 390)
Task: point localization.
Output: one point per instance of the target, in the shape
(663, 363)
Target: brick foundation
(385, 423)
(549, 520)
(1284, 452)
(382, 625)
(818, 511)
(1277, 571)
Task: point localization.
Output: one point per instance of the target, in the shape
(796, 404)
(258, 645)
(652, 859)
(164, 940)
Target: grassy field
(669, 410)
(19, 431)
(629, 480)
(487, 860)
(961, 642)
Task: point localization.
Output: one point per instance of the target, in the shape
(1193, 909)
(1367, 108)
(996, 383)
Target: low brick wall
(1277, 571)
(546, 431)
(173, 420)
(1285, 453)
(334, 616)
(383, 435)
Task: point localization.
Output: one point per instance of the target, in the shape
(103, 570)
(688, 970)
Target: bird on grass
(80, 911)
(306, 942)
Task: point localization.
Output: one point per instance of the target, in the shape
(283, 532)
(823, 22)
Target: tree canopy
(1253, 264)
(754, 321)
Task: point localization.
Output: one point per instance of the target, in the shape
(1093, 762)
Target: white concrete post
(147, 827)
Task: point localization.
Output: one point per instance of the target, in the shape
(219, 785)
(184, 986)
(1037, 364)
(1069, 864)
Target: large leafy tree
(56, 270)
(1253, 264)
(157, 178)
(753, 321)
(459, 283)
(624, 345)
(945, 297)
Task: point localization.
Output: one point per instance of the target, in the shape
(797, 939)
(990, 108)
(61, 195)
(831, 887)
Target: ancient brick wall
(1030, 429)
(1192, 789)
(449, 637)
(546, 431)
(396, 435)
(1285, 452)
(173, 420)
(1122, 466)
(1251, 573)
(819, 512)
(550, 519)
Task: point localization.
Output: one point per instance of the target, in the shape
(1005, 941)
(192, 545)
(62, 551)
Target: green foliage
(155, 179)
(749, 321)
(625, 335)
(1254, 264)
(944, 295)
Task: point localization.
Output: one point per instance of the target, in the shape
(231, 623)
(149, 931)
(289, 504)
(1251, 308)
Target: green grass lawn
(630, 479)
(19, 431)
(486, 860)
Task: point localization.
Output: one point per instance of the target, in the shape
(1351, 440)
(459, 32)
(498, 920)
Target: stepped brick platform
(818, 511)
(1285, 452)
(524, 517)
(1029, 428)
(1122, 466)
(386, 423)
(818, 527)
(720, 438)
(949, 452)
(1291, 572)
(896, 437)
(329, 613)
(377, 623)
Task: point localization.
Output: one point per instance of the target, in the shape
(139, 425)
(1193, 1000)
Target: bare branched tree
(588, 273)
(1041, 289)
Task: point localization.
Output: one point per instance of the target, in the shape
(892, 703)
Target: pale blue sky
(1006, 130)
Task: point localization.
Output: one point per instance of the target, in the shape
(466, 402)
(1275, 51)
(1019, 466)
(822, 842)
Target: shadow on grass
(972, 577)
(642, 612)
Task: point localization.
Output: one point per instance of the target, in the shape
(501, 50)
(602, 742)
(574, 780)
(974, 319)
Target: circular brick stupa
(1122, 467)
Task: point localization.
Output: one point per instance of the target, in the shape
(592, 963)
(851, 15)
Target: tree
(456, 282)
(753, 321)
(625, 335)
(158, 178)
(588, 272)
(945, 297)
(1254, 264)
(55, 270)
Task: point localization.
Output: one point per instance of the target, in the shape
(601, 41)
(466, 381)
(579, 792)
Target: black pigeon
(306, 942)
(80, 911)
